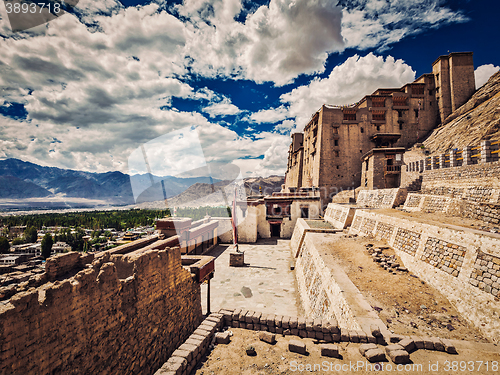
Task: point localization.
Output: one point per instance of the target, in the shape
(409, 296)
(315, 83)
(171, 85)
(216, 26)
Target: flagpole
(235, 225)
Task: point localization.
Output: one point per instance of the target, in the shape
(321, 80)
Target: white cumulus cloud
(483, 73)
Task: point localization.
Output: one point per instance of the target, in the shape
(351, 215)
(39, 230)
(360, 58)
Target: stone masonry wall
(321, 297)
(477, 182)
(382, 198)
(461, 264)
(339, 215)
(489, 213)
(122, 314)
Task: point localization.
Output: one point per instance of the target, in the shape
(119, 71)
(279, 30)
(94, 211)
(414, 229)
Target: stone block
(295, 331)
(183, 353)
(287, 332)
(320, 335)
(268, 337)
(395, 338)
(309, 325)
(190, 348)
(381, 340)
(242, 315)
(344, 336)
(242, 325)
(279, 330)
(375, 355)
(264, 328)
(249, 326)
(419, 343)
(407, 345)
(399, 356)
(353, 336)
(222, 337)
(428, 343)
(329, 350)
(311, 334)
(236, 314)
(449, 347)
(236, 259)
(371, 339)
(438, 345)
(336, 337)
(301, 323)
(256, 317)
(271, 329)
(235, 324)
(327, 337)
(277, 320)
(285, 322)
(362, 337)
(393, 347)
(294, 322)
(318, 325)
(249, 316)
(364, 347)
(375, 330)
(302, 333)
(256, 327)
(296, 346)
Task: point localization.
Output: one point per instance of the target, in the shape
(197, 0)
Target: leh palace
(381, 249)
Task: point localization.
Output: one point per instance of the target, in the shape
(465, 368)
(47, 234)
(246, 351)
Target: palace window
(378, 102)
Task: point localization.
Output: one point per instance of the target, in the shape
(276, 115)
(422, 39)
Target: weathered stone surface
(297, 346)
(309, 325)
(222, 337)
(419, 343)
(375, 355)
(364, 347)
(438, 345)
(399, 356)
(375, 330)
(449, 347)
(393, 347)
(407, 344)
(268, 337)
(125, 304)
(329, 350)
(318, 325)
(428, 343)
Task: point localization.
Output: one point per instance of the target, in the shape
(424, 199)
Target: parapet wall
(464, 265)
(382, 198)
(489, 213)
(321, 296)
(122, 314)
(476, 182)
(339, 215)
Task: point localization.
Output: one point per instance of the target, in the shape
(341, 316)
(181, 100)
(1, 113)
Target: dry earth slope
(476, 120)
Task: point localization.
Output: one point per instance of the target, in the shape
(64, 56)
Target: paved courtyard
(264, 284)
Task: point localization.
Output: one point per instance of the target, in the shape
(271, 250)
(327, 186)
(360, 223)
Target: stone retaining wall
(489, 213)
(382, 198)
(462, 264)
(339, 215)
(477, 182)
(122, 314)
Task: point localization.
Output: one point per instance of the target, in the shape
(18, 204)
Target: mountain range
(24, 180)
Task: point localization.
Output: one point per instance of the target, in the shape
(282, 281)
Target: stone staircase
(415, 185)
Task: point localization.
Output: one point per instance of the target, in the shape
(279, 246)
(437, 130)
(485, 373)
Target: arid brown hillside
(476, 120)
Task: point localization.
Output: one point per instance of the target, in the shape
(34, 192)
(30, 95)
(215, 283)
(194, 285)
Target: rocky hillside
(476, 120)
(202, 194)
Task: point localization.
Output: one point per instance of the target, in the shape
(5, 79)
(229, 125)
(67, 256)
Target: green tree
(4, 245)
(17, 241)
(47, 243)
(30, 235)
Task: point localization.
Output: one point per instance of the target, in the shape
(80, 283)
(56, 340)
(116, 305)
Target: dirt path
(405, 303)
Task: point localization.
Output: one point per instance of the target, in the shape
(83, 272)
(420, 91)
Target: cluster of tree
(119, 219)
(4, 245)
(75, 240)
(30, 235)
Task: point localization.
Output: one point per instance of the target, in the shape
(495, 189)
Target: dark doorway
(304, 212)
(275, 230)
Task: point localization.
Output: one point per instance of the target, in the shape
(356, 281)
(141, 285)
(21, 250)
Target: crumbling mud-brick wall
(122, 314)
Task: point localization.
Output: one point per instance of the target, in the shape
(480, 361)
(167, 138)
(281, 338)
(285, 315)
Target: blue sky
(87, 89)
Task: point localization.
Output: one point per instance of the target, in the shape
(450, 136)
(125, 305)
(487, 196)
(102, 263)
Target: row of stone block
(185, 358)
